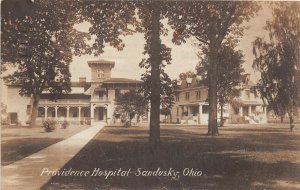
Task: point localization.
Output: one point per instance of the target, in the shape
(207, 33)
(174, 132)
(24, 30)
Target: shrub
(65, 124)
(127, 124)
(81, 122)
(88, 122)
(49, 125)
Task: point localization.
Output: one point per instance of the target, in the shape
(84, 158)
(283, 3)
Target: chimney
(82, 79)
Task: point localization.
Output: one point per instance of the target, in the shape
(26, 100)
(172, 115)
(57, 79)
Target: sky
(184, 56)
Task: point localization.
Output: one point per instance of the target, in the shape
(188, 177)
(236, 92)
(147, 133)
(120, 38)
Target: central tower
(100, 103)
(101, 70)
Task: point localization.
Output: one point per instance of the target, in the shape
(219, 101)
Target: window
(53, 113)
(248, 94)
(28, 110)
(177, 98)
(101, 94)
(177, 111)
(41, 112)
(75, 114)
(100, 74)
(187, 96)
(86, 113)
(198, 94)
(117, 93)
(236, 110)
(205, 109)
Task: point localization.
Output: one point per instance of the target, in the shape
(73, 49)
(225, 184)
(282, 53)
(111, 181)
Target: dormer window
(100, 74)
(247, 93)
(188, 82)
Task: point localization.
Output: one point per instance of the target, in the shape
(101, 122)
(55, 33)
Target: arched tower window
(100, 74)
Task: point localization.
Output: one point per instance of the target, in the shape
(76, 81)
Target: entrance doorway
(100, 114)
(14, 118)
(245, 110)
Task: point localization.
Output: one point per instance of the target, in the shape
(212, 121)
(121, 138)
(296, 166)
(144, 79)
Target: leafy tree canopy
(130, 104)
(212, 24)
(277, 59)
(185, 75)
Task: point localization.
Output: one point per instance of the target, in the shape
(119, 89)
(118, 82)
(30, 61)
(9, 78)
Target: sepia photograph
(150, 94)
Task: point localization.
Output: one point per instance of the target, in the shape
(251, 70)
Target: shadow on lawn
(179, 150)
(17, 149)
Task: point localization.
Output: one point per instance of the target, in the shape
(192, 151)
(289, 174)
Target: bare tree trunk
(212, 92)
(138, 118)
(222, 119)
(292, 127)
(34, 110)
(154, 53)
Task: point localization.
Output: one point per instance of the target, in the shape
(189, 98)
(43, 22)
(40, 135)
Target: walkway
(26, 173)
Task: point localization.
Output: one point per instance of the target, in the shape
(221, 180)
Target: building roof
(246, 82)
(80, 84)
(66, 96)
(101, 62)
(193, 82)
(121, 80)
(73, 84)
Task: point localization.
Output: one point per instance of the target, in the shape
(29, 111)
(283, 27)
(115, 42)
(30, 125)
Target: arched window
(100, 74)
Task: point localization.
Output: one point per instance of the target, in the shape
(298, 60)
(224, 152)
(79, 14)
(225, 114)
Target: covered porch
(79, 114)
(253, 112)
(196, 113)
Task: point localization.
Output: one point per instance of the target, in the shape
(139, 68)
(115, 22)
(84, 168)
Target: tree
(165, 112)
(229, 75)
(185, 75)
(110, 20)
(130, 104)
(42, 40)
(167, 91)
(150, 14)
(121, 17)
(39, 43)
(211, 24)
(277, 59)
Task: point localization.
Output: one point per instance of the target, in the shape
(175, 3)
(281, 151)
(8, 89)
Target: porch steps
(98, 123)
(242, 120)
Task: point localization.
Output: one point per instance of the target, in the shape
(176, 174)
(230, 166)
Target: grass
(242, 157)
(20, 142)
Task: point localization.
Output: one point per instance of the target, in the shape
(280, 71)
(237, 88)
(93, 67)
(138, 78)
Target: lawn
(20, 142)
(242, 157)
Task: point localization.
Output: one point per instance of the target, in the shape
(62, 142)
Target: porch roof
(100, 89)
(253, 103)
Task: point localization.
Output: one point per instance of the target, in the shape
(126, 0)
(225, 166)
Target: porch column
(148, 117)
(241, 111)
(265, 113)
(249, 110)
(200, 113)
(79, 109)
(46, 112)
(108, 113)
(56, 112)
(92, 113)
(68, 114)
